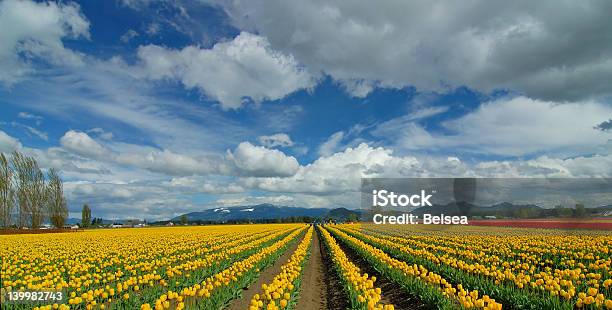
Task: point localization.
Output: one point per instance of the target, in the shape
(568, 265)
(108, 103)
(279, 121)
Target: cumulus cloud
(166, 162)
(336, 173)
(8, 144)
(152, 159)
(229, 72)
(129, 189)
(342, 172)
(34, 31)
(82, 144)
(246, 160)
(143, 200)
(275, 140)
(533, 48)
(259, 161)
(517, 126)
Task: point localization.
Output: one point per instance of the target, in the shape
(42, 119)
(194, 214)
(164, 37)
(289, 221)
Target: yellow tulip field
(269, 266)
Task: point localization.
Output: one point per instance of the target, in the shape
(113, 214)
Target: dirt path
(313, 290)
(266, 276)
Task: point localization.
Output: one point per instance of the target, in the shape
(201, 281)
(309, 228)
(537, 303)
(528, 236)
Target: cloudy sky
(155, 108)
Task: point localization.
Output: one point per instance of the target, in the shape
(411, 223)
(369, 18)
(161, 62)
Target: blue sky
(154, 108)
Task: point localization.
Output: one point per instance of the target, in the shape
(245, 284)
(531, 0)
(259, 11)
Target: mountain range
(263, 211)
(270, 211)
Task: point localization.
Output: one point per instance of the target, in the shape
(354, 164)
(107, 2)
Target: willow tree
(38, 194)
(56, 203)
(22, 181)
(31, 190)
(85, 216)
(7, 192)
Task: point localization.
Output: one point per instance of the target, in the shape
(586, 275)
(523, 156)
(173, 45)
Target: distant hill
(256, 212)
(343, 214)
(267, 211)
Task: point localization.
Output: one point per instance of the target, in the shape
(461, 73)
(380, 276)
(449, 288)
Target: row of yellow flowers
(467, 299)
(522, 272)
(198, 293)
(229, 250)
(530, 252)
(367, 295)
(278, 294)
(92, 259)
(126, 278)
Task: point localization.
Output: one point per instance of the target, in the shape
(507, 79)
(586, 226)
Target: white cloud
(153, 29)
(275, 140)
(82, 144)
(128, 36)
(337, 172)
(245, 160)
(221, 189)
(342, 172)
(166, 162)
(254, 200)
(33, 30)
(106, 135)
(230, 71)
(127, 189)
(359, 88)
(109, 94)
(425, 112)
(548, 50)
(26, 115)
(8, 144)
(126, 200)
(332, 144)
(30, 131)
(140, 156)
(251, 160)
(509, 127)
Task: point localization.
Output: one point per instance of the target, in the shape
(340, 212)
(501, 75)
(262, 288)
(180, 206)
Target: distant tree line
(526, 212)
(87, 220)
(292, 219)
(27, 196)
(579, 211)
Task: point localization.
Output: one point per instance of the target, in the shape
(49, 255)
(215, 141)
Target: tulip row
(92, 266)
(431, 287)
(543, 289)
(200, 269)
(524, 259)
(129, 284)
(89, 265)
(360, 287)
(280, 293)
(215, 291)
